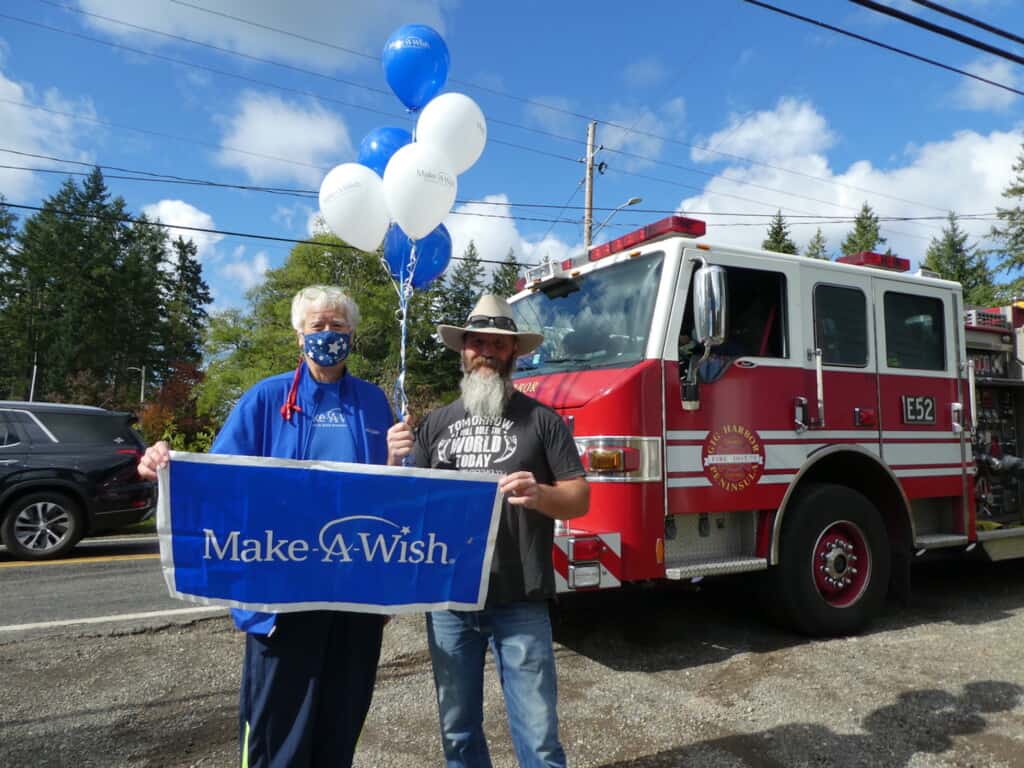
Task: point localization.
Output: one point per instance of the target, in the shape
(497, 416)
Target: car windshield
(599, 319)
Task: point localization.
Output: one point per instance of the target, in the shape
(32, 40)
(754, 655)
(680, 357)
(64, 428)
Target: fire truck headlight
(584, 576)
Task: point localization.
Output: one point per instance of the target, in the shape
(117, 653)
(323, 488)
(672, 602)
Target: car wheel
(834, 563)
(42, 525)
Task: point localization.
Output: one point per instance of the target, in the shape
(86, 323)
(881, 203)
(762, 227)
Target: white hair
(485, 394)
(320, 297)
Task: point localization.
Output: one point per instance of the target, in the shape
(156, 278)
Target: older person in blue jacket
(308, 677)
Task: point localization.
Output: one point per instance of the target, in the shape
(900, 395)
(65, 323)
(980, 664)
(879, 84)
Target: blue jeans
(520, 638)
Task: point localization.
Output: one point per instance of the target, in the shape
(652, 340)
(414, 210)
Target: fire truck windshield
(596, 320)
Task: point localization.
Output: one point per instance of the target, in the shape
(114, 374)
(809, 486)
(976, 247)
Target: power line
(939, 30)
(810, 220)
(198, 142)
(205, 230)
(159, 134)
(886, 46)
(497, 141)
(970, 20)
(212, 47)
(156, 177)
(560, 110)
(283, 88)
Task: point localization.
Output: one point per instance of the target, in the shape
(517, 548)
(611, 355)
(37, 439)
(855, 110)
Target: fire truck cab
(744, 410)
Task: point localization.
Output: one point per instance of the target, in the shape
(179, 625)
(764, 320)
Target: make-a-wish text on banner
(281, 535)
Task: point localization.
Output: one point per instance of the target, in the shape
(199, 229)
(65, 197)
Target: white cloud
(288, 216)
(974, 94)
(247, 273)
(550, 113)
(184, 214)
(40, 132)
(792, 128)
(306, 140)
(494, 237)
(644, 72)
(637, 130)
(965, 173)
(352, 24)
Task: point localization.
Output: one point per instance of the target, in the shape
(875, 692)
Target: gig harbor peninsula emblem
(733, 457)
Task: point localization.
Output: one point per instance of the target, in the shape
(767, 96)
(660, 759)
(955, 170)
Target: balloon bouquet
(403, 186)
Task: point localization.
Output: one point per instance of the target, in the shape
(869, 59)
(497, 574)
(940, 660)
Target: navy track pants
(306, 689)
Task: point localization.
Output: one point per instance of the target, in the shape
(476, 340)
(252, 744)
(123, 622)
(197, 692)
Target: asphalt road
(103, 577)
(657, 678)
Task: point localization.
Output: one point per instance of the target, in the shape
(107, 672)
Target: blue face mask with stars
(327, 348)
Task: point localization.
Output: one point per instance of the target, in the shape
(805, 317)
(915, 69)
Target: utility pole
(32, 386)
(142, 380)
(588, 210)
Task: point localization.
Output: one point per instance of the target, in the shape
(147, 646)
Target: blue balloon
(433, 253)
(415, 61)
(379, 145)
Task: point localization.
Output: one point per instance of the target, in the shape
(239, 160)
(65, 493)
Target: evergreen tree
(13, 376)
(84, 297)
(1009, 235)
(462, 287)
(865, 235)
(817, 247)
(186, 295)
(503, 282)
(778, 239)
(951, 258)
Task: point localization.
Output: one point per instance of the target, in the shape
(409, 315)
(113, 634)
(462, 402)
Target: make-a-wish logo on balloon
(344, 540)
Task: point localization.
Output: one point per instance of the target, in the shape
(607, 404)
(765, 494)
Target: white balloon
(454, 123)
(419, 187)
(353, 205)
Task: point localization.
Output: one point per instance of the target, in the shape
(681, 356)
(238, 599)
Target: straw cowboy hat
(492, 314)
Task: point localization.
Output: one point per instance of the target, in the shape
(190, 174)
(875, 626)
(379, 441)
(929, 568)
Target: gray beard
(485, 394)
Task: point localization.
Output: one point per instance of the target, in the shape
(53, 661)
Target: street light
(142, 383)
(631, 201)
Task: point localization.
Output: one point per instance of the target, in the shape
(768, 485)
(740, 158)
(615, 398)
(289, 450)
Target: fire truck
(741, 410)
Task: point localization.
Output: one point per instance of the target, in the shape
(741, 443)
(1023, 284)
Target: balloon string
(405, 292)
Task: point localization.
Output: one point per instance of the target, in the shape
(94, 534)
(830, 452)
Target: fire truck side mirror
(709, 305)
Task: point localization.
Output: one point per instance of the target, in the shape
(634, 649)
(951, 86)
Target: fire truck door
(733, 451)
(840, 323)
(919, 386)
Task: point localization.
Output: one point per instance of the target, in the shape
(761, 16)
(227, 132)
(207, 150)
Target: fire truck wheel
(833, 562)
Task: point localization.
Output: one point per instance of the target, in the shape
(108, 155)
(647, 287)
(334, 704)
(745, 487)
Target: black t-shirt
(528, 437)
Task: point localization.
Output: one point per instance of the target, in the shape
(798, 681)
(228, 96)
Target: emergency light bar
(671, 224)
(680, 225)
(878, 260)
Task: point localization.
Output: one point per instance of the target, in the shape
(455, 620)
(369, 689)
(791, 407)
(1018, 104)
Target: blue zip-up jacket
(256, 427)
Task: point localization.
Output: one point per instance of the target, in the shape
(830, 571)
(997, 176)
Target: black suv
(67, 471)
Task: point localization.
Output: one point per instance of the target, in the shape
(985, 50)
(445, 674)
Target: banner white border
(163, 529)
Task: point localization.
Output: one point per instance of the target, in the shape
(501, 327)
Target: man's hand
(400, 439)
(156, 456)
(564, 500)
(521, 488)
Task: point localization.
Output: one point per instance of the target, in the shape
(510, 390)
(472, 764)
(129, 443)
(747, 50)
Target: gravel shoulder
(648, 678)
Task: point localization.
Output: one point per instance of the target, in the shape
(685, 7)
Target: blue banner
(281, 535)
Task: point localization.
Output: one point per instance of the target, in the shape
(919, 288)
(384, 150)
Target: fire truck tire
(834, 562)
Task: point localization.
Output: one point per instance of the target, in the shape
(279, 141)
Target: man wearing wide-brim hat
(495, 428)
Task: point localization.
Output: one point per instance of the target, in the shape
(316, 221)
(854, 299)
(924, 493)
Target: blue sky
(732, 110)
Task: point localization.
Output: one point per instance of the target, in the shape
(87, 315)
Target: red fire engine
(743, 410)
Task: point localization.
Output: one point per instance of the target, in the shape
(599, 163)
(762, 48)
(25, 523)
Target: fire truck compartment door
(838, 319)
(919, 384)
